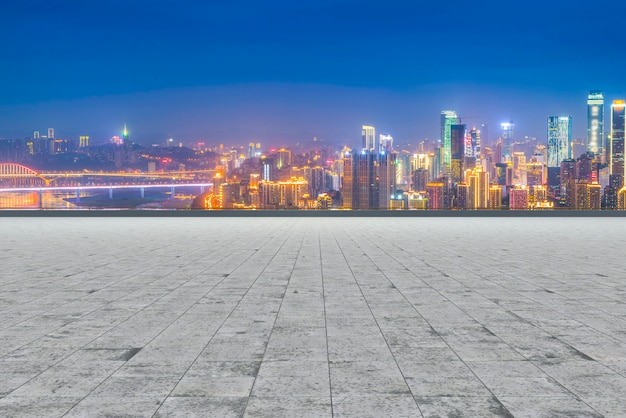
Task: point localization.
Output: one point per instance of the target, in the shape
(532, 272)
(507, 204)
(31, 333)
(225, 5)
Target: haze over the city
(282, 71)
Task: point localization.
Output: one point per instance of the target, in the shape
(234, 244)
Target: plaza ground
(319, 317)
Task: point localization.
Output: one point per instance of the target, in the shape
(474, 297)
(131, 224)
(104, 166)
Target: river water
(99, 199)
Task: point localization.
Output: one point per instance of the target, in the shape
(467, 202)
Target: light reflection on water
(95, 200)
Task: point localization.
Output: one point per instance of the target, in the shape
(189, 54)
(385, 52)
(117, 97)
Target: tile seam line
(91, 312)
(95, 278)
(473, 319)
(374, 317)
(330, 381)
(522, 296)
(127, 319)
(163, 330)
(279, 308)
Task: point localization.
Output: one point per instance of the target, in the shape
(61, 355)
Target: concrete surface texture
(319, 317)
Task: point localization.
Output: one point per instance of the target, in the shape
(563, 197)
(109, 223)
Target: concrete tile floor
(266, 317)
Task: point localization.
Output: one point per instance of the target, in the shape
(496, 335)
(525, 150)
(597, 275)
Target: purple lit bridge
(18, 178)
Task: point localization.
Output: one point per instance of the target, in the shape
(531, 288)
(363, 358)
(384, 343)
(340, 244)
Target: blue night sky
(285, 71)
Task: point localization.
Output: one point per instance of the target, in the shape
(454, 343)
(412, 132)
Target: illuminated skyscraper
(474, 143)
(448, 118)
(568, 182)
(283, 158)
(50, 133)
(386, 178)
(368, 135)
(595, 122)
(347, 184)
(495, 197)
(385, 143)
(365, 189)
(617, 139)
(478, 182)
(507, 139)
(457, 148)
(559, 139)
(125, 134)
(587, 196)
(520, 169)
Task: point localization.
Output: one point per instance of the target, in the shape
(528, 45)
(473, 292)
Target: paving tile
(375, 405)
(31, 407)
(470, 407)
(312, 317)
(201, 407)
(288, 406)
(104, 407)
(546, 407)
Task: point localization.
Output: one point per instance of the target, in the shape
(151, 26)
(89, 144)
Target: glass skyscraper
(595, 122)
(448, 118)
(559, 139)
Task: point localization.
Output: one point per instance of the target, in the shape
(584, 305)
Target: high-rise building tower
(595, 122)
(474, 143)
(508, 129)
(457, 152)
(568, 182)
(125, 134)
(50, 133)
(368, 135)
(385, 143)
(448, 118)
(386, 178)
(559, 139)
(617, 138)
(365, 189)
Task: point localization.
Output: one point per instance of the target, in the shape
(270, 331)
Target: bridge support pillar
(172, 191)
(201, 189)
(40, 195)
(110, 192)
(78, 195)
(142, 193)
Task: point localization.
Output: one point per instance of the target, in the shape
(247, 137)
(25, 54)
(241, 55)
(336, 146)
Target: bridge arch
(18, 174)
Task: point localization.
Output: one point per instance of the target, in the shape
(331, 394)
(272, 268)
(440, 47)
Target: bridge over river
(23, 187)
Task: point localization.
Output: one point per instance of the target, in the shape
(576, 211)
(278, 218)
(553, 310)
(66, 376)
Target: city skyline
(282, 72)
(579, 130)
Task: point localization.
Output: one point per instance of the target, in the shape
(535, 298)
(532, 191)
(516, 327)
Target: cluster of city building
(456, 172)
(461, 170)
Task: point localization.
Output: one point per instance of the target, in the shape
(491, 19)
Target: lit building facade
(478, 193)
(588, 196)
(508, 129)
(369, 180)
(617, 138)
(473, 146)
(448, 118)
(559, 139)
(368, 138)
(457, 152)
(495, 197)
(435, 191)
(519, 198)
(282, 194)
(568, 182)
(595, 122)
